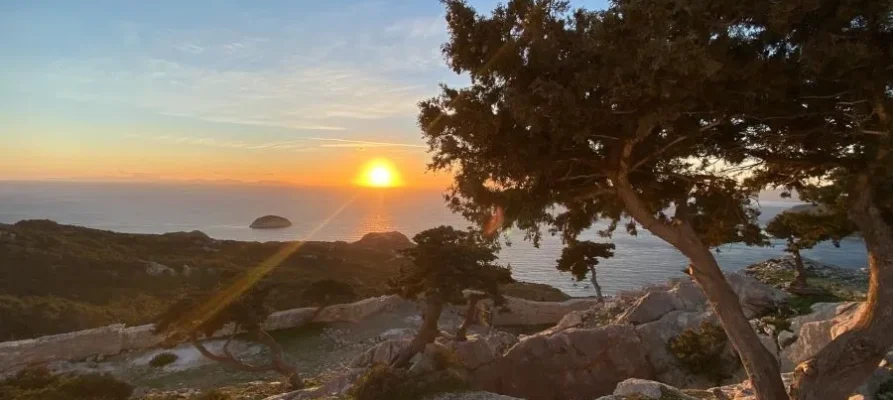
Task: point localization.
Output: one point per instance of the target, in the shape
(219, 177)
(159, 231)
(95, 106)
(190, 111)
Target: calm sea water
(224, 212)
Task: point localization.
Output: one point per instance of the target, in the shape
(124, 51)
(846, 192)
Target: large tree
(802, 230)
(826, 132)
(574, 116)
(444, 262)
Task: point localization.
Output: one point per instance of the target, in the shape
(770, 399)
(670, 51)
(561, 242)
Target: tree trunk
(427, 332)
(598, 289)
(842, 365)
(760, 365)
(470, 316)
(799, 269)
(279, 364)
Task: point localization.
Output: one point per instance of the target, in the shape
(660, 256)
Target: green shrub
(214, 394)
(383, 383)
(39, 384)
(163, 359)
(885, 392)
(702, 352)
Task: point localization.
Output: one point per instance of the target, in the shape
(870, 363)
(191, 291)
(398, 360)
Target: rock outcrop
(387, 241)
(270, 222)
(814, 331)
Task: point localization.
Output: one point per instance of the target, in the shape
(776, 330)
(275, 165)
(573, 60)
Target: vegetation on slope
(62, 278)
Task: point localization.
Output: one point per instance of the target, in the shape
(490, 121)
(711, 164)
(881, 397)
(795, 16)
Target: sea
(224, 211)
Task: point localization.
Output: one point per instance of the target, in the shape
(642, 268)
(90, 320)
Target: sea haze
(225, 211)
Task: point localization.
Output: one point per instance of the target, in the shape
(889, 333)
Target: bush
(163, 359)
(702, 352)
(39, 384)
(383, 383)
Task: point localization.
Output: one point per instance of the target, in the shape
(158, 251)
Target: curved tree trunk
(277, 363)
(760, 365)
(470, 316)
(598, 289)
(799, 269)
(427, 332)
(842, 365)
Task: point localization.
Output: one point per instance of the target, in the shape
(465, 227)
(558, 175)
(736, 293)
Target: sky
(299, 91)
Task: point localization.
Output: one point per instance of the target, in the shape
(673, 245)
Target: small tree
(802, 230)
(580, 258)
(190, 319)
(444, 262)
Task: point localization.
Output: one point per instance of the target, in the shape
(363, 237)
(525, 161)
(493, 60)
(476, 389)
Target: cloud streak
(295, 145)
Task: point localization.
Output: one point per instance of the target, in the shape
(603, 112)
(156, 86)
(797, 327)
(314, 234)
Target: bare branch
(875, 132)
(227, 360)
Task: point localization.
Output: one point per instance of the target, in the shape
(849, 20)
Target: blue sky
(120, 88)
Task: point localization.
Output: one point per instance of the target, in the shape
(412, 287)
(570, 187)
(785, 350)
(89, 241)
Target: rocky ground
(844, 283)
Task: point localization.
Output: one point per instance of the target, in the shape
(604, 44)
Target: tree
(826, 132)
(627, 114)
(580, 258)
(444, 262)
(186, 320)
(802, 230)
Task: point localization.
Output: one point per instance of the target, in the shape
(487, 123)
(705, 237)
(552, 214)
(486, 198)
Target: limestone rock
(288, 318)
(480, 350)
(270, 222)
(78, 345)
(756, 297)
(650, 307)
(641, 388)
(528, 312)
(140, 337)
(382, 353)
(654, 339)
(353, 312)
(815, 330)
(572, 364)
(689, 296)
(471, 396)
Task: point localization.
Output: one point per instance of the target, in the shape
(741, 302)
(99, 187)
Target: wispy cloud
(297, 145)
(419, 27)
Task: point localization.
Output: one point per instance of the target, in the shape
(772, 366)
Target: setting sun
(379, 173)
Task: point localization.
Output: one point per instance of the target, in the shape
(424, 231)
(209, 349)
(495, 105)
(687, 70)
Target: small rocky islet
(270, 222)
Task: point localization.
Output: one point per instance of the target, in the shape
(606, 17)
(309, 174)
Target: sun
(379, 173)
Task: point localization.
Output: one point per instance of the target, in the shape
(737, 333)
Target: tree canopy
(446, 261)
(805, 229)
(578, 257)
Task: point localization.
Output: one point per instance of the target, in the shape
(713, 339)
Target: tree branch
(227, 360)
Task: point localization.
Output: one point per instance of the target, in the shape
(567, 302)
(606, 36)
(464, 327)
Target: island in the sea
(270, 222)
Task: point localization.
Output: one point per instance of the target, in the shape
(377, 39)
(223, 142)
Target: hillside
(60, 278)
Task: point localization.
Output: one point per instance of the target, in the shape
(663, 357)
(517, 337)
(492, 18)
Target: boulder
(353, 312)
(527, 312)
(140, 337)
(382, 353)
(78, 345)
(289, 318)
(270, 222)
(480, 350)
(386, 241)
(815, 330)
(650, 307)
(645, 389)
(756, 298)
(689, 296)
(571, 364)
(656, 335)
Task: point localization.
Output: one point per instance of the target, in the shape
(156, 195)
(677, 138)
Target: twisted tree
(245, 314)
(623, 115)
(580, 258)
(802, 230)
(444, 262)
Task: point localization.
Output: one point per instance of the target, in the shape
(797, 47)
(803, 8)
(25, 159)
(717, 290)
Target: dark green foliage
(247, 311)
(804, 229)
(328, 291)
(79, 278)
(578, 257)
(446, 261)
(558, 96)
(703, 352)
(885, 392)
(163, 359)
(39, 384)
(383, 383)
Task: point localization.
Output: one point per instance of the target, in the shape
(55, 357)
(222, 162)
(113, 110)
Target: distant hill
(60, 278)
